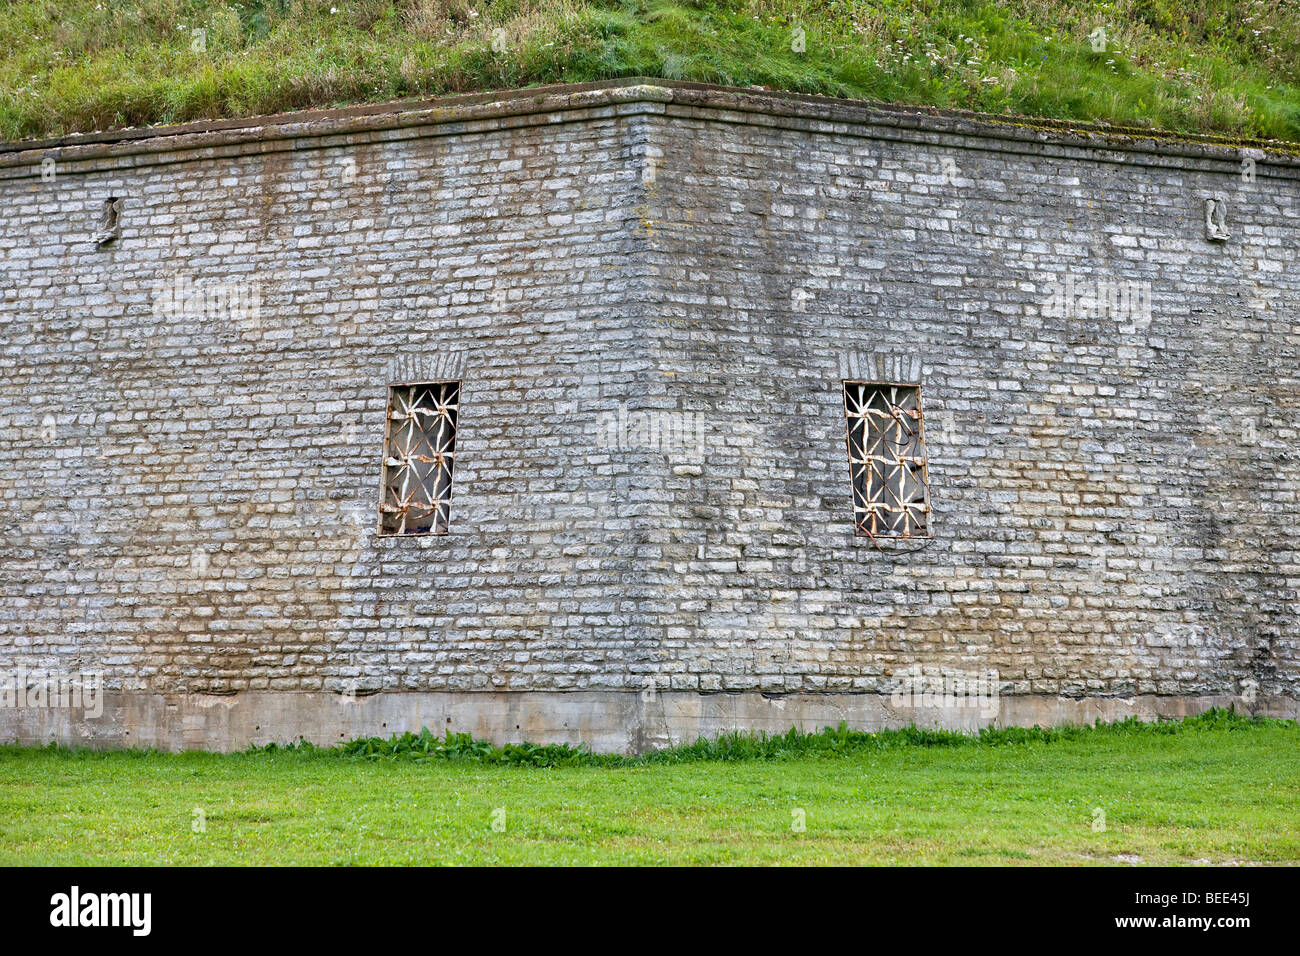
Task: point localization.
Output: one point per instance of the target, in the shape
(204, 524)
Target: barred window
(419, 450)
(891, 494)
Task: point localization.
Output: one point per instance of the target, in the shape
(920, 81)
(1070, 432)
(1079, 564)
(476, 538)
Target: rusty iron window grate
(891, 487)
(419, 451)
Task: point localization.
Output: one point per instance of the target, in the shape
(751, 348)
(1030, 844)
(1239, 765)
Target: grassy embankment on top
(1229, 67)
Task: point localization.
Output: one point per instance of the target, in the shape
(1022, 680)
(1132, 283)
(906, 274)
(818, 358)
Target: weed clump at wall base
(745, 746)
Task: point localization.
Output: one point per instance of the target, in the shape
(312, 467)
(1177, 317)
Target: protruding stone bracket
(110, 225)
(1216, 216)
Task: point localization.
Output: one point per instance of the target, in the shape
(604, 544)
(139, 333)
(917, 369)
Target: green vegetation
(1228, 67)
(739, 746)
(1216, 788)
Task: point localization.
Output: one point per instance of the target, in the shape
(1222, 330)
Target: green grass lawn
(1217, 790)
(1210, 66)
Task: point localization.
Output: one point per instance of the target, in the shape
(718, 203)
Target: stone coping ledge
(577, 102)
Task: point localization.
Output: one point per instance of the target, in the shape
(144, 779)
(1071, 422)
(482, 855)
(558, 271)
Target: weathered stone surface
(651, 295)
(605, 720)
